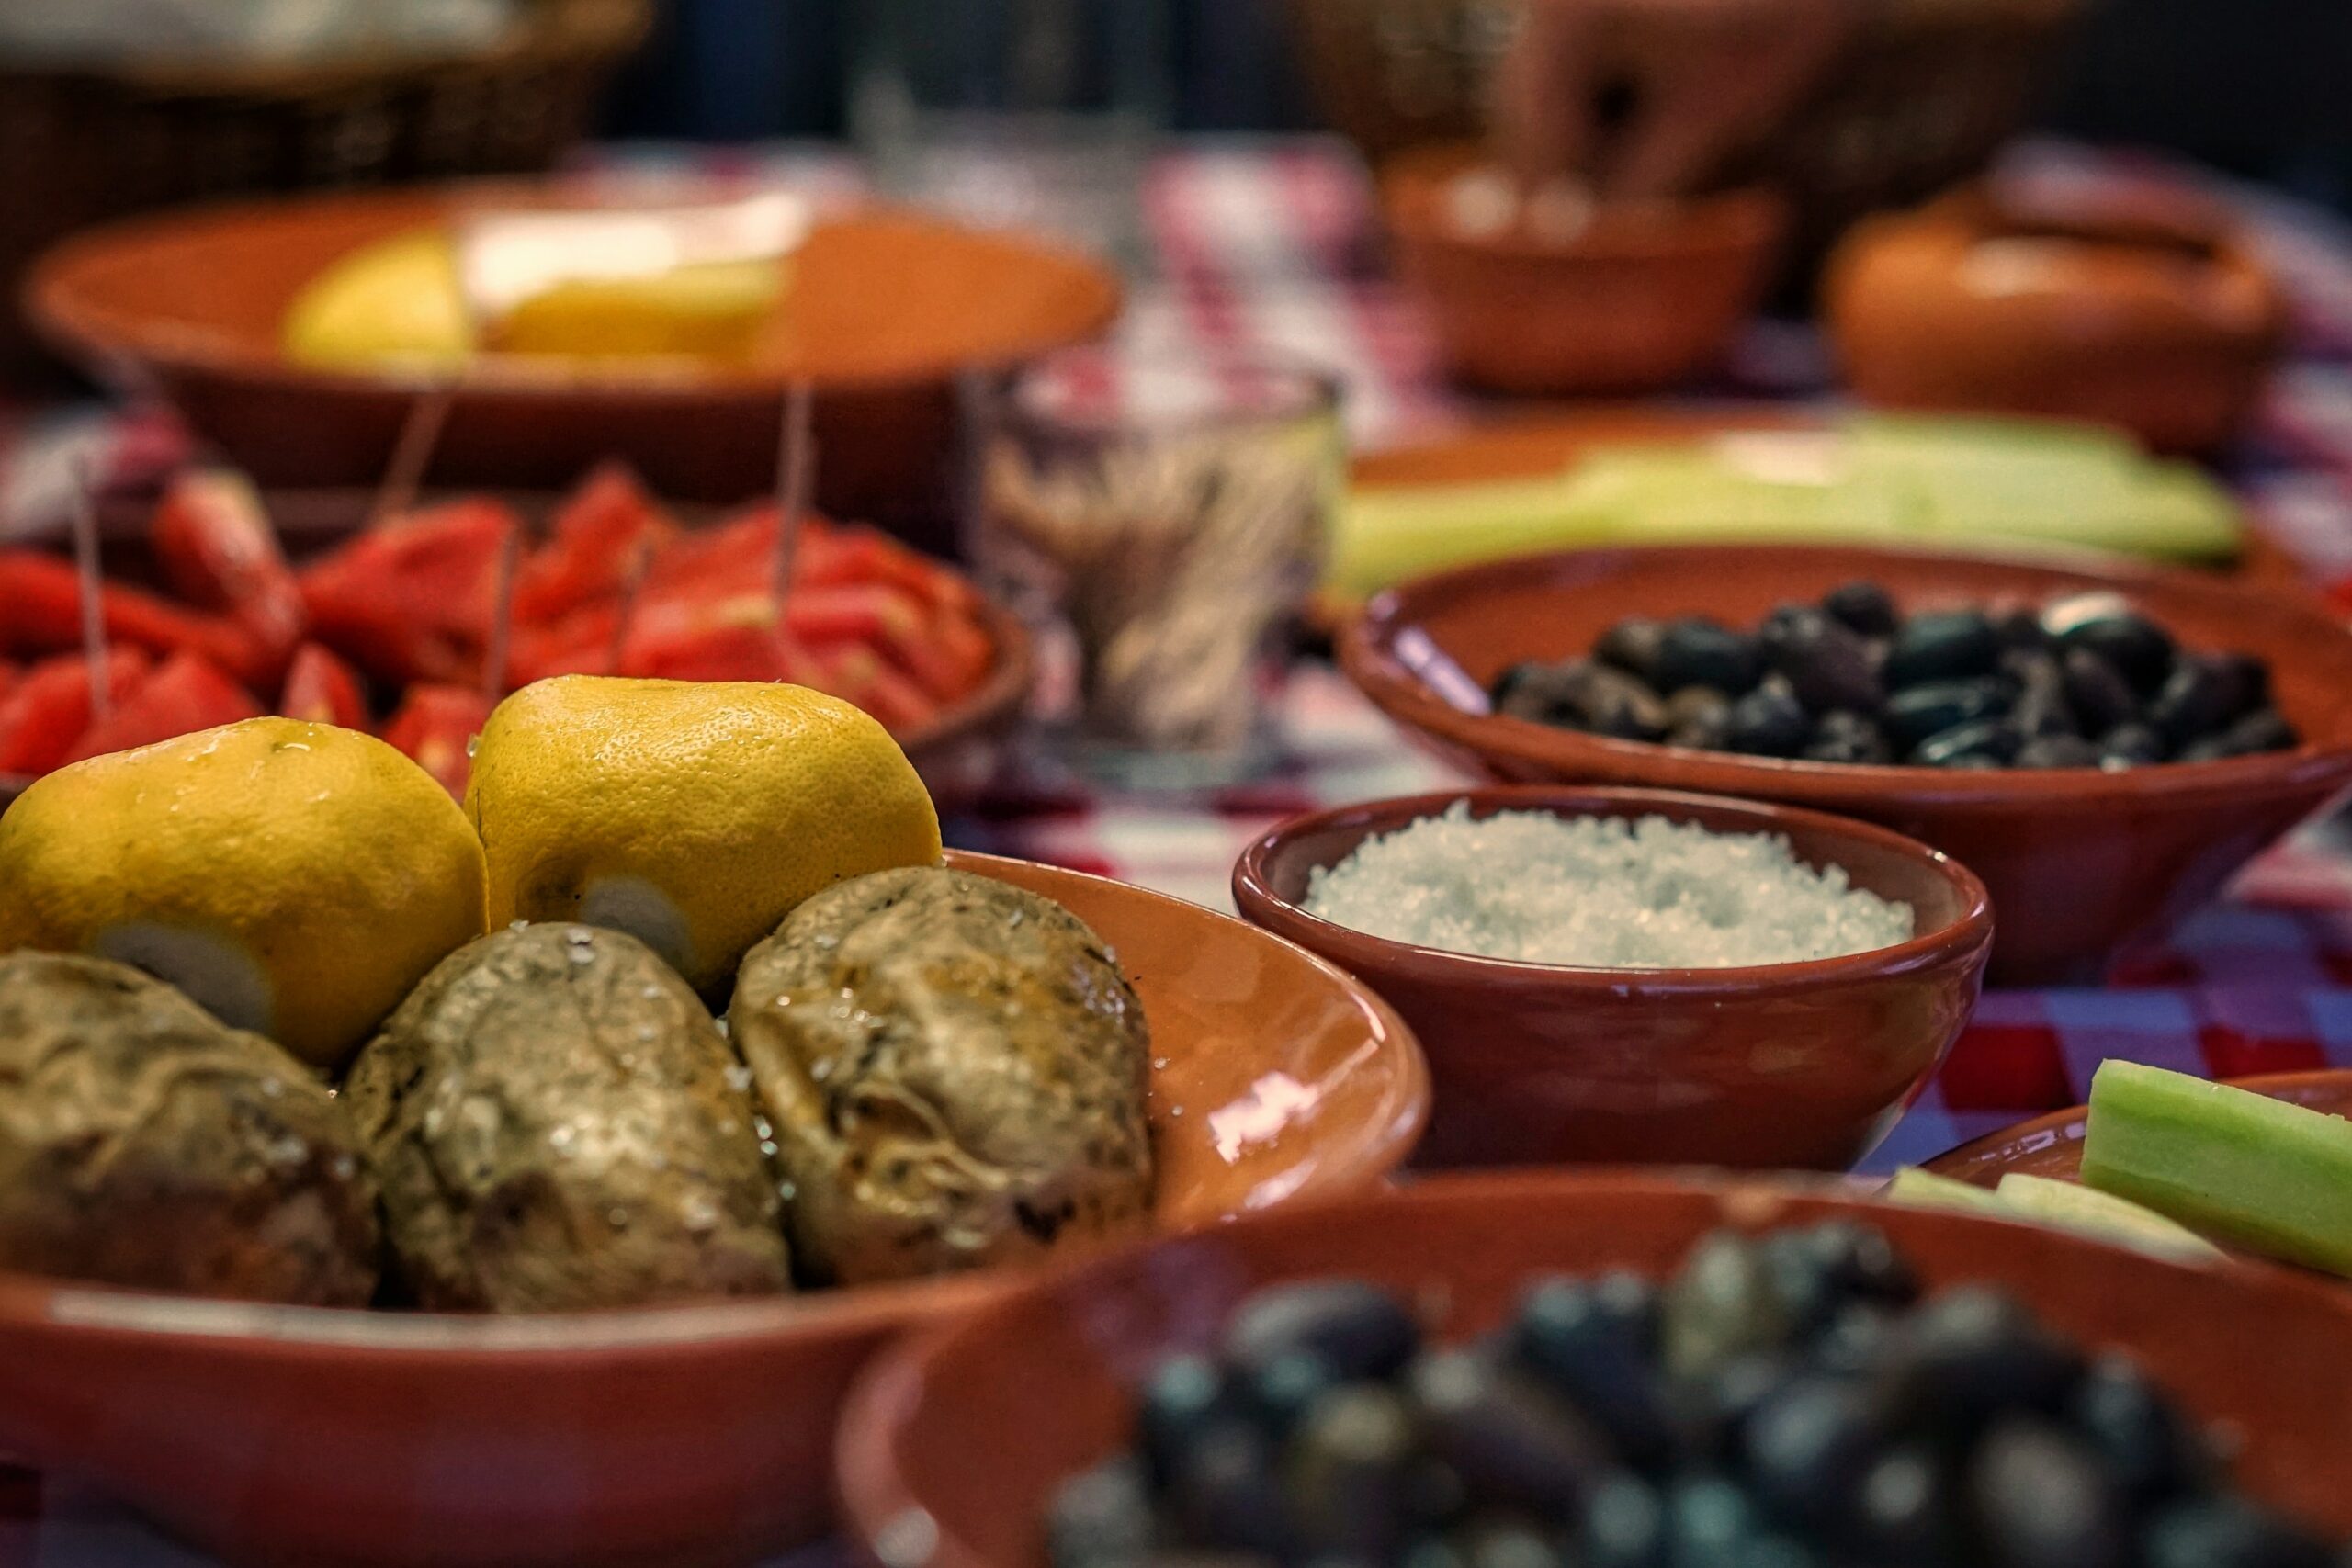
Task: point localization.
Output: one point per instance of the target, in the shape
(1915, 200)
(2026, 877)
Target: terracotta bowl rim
(1365, 641)
(875, 1493)
(1968, 1153)
(380, 1334)
(52, 301)
(1971, 932)
(1740, 220)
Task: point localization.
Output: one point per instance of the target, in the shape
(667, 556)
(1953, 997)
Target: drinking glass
(1160, 524)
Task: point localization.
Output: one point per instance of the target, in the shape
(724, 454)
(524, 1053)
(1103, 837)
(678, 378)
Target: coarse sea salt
(1601, 891)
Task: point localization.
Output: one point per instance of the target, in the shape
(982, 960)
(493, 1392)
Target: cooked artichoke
(143, 1143)
(955, 1072)
(557, 1124)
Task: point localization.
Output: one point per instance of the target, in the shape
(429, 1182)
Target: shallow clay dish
(957, 750)
(2079, 862)
(885, 307)
(2052, 1145)
(1796, 1066)
(928, 1481)
(2156, 318)
(1647, 294)
(667, 1434)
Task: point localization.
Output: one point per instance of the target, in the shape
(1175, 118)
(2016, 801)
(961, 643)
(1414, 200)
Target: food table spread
(1273, 246)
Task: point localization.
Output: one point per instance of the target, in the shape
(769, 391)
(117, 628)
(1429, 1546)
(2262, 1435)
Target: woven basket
(79, 147)
(1921, 99)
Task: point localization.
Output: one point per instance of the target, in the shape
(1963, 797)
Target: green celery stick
(1916, 1189)
(2103, 1216)
(2239, 1166)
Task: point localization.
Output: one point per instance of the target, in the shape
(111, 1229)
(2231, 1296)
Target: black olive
(1915, 714)
(2042, 707)
(1277, 1394)
(1699, 718)
(1697, 652)
(1227, 1492)
(2141, 650)
(1184, 1397)
(2057, 752)
(1810, 1292)
(1707, 1520)
(1973, 1351)
(2042, 1500)
(1767, 1550)
(1540, 693)
(2261, 731)
(1432, 1551)
(1510, 1439)
(1863, 1261)
(2200, 696)
(1509, 1543)
(1863, 607)
(1358, 1329)
(1721, 1304)
(1633, 1303)
(1858, 1340)
(1347, 1470)
(2142, 1439)
(2063, 615)
(1786, 621)
(1825, 663)
(1610, 702)
(1942, 645)
(1807, 1448)
(1713, 1411)
(1906, 1513)
(1101, 1519)
(1846, 738)
(1996, 738)
(1599, 1360)
(2226, 1533)
(2097, 693)
(2130, 745)
(1632, 645)
(1625, 1526)
(2020, 630)
(1513, 676)
(1768, 722)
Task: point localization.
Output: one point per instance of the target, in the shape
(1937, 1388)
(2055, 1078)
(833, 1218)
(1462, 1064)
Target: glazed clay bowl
(929, 1481)
(2052, 1145)
(1649, 294)
(2157, 319)
(2079, 862)
(1790, 1066)
(676, 1434)
(886, 309)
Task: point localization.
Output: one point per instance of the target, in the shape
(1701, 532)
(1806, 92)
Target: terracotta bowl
(1796, 1066)
(679, 1435)
(2078, 862)
(957, 750)
(2052, 1145)
(2156, 318)
(1649, 294)
(887, 308)
(929, 1481)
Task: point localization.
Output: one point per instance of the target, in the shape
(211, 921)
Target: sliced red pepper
(50, 707)
(323, 689)
(216, 543)
(596, 537)
(857, 674)
(412, 601)
(9, 676)
(43, 598)
(435, 728)
(579, 644)
(186, 693)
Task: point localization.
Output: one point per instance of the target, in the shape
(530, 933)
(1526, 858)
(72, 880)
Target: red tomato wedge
(592, 544)
(323, 689)
(50, 707)
(217, 545)
(44, 596)
(412, 601)
(435, 728)
(186, 693)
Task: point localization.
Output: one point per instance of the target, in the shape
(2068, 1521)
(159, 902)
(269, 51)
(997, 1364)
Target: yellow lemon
(393, 304)
(692, 815)
(295, 879)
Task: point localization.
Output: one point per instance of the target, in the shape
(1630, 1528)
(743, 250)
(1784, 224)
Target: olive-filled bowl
(2080, 861)
(671, 1435)
(1802, 1066)
(928, 1481)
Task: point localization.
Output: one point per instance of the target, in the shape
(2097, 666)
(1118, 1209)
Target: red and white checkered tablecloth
(1273, 245)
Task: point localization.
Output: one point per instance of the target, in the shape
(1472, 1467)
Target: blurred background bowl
(1802, 1066)
(2079, 862)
